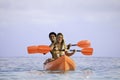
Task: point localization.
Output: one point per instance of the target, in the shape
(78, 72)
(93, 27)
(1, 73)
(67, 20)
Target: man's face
(52, 38)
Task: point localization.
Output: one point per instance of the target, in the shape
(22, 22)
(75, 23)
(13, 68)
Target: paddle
(85, 51)
(82, 44)
(45, 49)
(38, 49)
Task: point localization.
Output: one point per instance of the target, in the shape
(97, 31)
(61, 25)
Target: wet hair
(52, 33)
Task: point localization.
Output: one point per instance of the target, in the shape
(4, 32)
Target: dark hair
(52, 33)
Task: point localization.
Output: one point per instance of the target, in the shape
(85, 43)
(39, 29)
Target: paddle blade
(84, 44)
(32, 49)
(87, 51)
(43, 49)
(38, 49)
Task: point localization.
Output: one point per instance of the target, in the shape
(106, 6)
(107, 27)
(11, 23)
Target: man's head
(52, 36)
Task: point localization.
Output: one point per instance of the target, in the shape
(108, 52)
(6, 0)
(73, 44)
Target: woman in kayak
(60, 48)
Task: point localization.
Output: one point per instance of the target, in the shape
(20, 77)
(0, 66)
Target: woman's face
(59, 38)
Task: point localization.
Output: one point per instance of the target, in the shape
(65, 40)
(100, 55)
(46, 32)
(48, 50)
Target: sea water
(87, 68)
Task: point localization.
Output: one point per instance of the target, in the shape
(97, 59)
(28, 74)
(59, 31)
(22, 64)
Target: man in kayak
(52, 37)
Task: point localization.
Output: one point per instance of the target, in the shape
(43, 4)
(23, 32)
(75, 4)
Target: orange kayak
(63, 63)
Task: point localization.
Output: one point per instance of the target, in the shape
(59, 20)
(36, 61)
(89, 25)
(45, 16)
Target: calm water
(88, 68)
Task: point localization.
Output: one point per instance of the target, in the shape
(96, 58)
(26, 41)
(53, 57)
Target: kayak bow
(63, 63)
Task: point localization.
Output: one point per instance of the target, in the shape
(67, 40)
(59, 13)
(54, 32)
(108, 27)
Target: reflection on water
(86, 73)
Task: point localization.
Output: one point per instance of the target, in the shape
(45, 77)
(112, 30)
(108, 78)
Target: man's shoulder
(52, 44)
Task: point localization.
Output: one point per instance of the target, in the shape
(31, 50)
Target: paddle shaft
(76, 50)
(74, 45)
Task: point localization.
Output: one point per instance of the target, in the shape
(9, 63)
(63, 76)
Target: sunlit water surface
(87, 68)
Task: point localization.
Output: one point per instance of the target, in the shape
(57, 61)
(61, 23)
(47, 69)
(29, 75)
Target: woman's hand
(69, 45)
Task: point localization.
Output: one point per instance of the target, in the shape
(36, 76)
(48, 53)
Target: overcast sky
(28, 22)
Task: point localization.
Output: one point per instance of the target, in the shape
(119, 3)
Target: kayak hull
(63, 63)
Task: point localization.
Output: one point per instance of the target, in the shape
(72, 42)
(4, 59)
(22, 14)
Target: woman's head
(60, 38)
